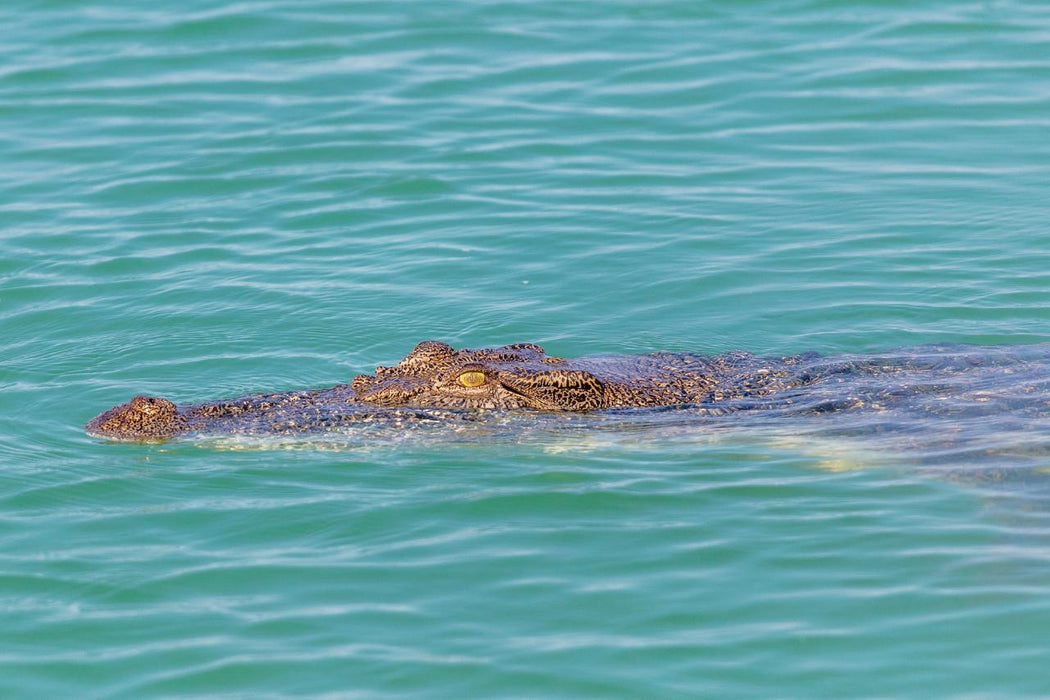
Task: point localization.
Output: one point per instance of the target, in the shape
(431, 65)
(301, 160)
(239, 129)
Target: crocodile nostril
(152, 406)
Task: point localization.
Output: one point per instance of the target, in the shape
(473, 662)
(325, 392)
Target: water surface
(224, 198)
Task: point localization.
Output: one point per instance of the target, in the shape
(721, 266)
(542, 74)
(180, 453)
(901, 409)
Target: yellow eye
(471, 379)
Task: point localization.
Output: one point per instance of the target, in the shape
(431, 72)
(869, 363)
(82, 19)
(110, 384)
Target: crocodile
(948, 395)
(436, 381)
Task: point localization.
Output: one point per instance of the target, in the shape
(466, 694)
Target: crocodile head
(434, 375)
(142, 418)
(513, 376)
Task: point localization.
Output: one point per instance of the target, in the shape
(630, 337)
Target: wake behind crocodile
(957, 406)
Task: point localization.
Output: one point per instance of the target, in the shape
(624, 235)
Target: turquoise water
(226, 198)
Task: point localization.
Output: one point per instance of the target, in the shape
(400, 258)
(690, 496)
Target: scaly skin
(435, 376)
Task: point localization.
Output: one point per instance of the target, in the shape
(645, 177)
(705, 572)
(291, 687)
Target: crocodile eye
(471, 379)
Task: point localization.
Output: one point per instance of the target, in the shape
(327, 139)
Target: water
(226, 198)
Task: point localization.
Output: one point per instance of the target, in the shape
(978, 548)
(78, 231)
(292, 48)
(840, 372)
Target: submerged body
(437, 382)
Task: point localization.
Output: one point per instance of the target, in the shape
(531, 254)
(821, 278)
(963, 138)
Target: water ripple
(224, 198)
